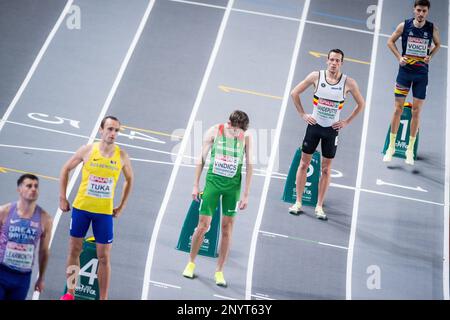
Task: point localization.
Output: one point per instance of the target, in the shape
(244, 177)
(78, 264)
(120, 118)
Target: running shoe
(320, 214)
(388, 155)
(67, 296)
(296, 208)
(189, 270)
(409, 157)
(220, 280)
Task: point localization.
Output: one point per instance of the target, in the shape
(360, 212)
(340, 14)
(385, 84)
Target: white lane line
(330, 25)
(362, 151)
(35, 65)
(275, 235)
(261, 296)
(334, 26)
(267, 15)
(164, 285)
(399, 197)
(224, 297)
(48, 129)
(380, 182)
(186, 137)
(447, 179)
(35, 148)
(273, 151)
(105, 107)
(201, 4)
(333, 245)
(87, 137)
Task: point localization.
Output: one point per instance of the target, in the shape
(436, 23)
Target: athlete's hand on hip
(64, 205)
(309, 119)
(427, 59)
(195, 194)
(117, 212)
(39, 286)
(403, 61)
(339, 125)
(243, 203)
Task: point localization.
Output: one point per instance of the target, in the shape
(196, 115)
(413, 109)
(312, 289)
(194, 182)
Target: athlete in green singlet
(228, 143)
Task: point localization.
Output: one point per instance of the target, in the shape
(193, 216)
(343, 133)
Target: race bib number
(327, 109)
(225, 166)
(19, 255)
(417, 47)
(100, 187)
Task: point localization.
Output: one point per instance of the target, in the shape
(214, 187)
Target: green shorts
(210, 200)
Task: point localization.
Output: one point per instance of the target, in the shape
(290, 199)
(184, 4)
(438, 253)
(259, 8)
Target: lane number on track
(42, 117)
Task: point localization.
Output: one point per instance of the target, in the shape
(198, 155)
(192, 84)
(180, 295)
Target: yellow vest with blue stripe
(98, 182)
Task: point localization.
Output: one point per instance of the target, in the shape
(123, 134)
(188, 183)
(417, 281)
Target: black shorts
(316, 133)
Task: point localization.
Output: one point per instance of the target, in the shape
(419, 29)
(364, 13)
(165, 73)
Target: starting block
(311, 191)
(403, 133)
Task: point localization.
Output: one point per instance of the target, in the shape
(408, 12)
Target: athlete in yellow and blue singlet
(102, 164)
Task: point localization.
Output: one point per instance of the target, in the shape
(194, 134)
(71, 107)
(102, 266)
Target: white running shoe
(409, 157)
(388, 155)
(296, 208)
(320, 214)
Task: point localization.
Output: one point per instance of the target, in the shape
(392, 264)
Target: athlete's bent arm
(360, 104)
(310, 80)
(207, 144)
(248, 171)
(44, 251)
(75, 160)
(391, 43)
(437, 44)
(129, 178)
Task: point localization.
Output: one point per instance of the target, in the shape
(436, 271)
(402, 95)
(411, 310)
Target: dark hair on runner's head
(26, 176)
(424, 3)
(339, 51)
(102, 124)
(239, 119)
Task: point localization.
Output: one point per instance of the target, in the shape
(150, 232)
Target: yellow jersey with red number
(98, 182)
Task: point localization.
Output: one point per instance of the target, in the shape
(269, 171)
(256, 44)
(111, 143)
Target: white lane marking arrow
(381, 182)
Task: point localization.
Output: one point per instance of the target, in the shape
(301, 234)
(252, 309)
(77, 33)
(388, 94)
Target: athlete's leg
(73, 263)
(302, 174)
(309, 146)
(402, 87)
(204, 223)
(79, 224)
(225, 241)
(415, 117)
(419, 89)
(20, 290)
(398, 110)
(395, 123)
(4, 284)
(324, 181)
(103, 229)
(104, 268)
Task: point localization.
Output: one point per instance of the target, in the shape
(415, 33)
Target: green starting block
(403, 133)
(311, 192)
(211, 239)
(87, 284)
